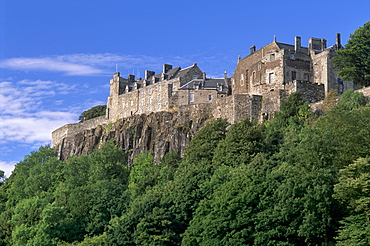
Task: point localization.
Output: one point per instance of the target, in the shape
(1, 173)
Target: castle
(259, 83)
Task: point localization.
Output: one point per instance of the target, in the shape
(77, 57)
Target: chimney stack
(148, 74)
(116, 74)
(166, 68)
(252, 49)
(131, 78)
(337, 39)
(297, 43)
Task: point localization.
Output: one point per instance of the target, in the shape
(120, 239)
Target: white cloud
(23, 118)
(90, 64)
(28, 115)
(49, 64)
(7, 167)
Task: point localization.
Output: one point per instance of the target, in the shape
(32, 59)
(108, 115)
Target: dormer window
(195, 77)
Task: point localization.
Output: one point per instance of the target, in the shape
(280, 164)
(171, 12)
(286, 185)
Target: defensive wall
(70, 130)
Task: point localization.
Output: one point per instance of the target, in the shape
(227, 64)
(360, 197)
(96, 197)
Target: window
(195, 76)
(242, 79)
(306, 77)
(150, 91)
(131, 103)
(294, 75)
(272, 57)
(209, 97)
(271, 78)
(260, 78)
(142, 101)
(291, 56)
(150, 100)
(159, 96)
(159, 106)
(123, 105)
(191, 97)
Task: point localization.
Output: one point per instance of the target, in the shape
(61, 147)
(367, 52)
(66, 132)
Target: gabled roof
(184, 71)
(173, 72)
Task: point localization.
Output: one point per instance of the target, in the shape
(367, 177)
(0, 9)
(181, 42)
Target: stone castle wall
(310, 92)
(71, 130)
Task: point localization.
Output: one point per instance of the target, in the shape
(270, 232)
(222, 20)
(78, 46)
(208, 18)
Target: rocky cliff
(158, 133)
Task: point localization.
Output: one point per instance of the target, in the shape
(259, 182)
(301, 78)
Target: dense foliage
(93, 113)
(353, 62)
(293, 180)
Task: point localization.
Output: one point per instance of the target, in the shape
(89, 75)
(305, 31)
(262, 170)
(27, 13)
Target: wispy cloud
(89, 64)
(49, 64)
(23, 116)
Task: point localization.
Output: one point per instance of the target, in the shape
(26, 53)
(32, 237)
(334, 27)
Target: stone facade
(259, 83)
(174, 87)
(278, 69)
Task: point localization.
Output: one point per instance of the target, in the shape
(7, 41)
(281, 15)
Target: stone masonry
(259, 83)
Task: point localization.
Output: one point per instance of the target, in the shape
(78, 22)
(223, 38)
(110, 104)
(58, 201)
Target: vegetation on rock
(93, 113)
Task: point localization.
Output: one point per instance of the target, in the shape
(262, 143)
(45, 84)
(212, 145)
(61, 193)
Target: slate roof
(208, 84)
(291, 47)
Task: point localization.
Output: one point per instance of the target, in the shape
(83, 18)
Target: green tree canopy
(93, 113)
(353, 62)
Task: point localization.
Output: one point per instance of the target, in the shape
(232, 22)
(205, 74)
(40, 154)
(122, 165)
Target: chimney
(131, 78)
(252, 49)
(225, 75)
(323, 44)
(337, 41)
(116, 75)
(166, 68)
(148, 74)
(297, 43)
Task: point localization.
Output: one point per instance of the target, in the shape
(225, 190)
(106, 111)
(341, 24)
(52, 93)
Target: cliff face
(159, 133)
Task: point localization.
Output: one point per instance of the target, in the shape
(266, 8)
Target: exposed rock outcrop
(159, 133)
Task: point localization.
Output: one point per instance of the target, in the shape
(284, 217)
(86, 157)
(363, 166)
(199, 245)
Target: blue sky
(56, 57)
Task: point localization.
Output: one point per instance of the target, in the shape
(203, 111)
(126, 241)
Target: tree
(242, 142)
(351, 99)
(353, 62)
(93, 113)
(353, 191)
